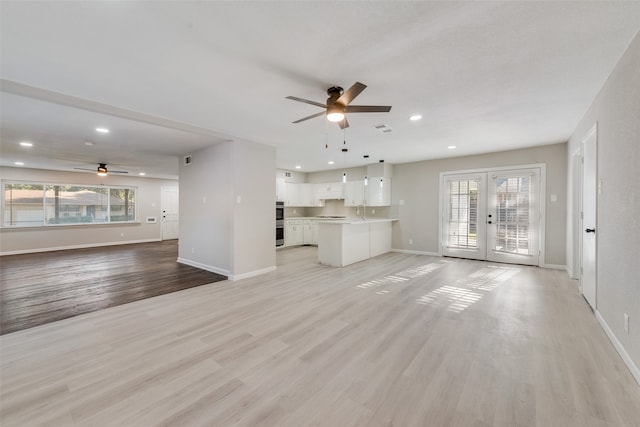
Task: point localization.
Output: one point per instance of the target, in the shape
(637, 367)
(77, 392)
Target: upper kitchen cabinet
(281, 194)
(300, 194)
(354, 193)
(378, 191)
(330, 190)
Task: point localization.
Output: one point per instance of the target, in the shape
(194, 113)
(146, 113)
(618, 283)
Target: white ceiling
(171, 77)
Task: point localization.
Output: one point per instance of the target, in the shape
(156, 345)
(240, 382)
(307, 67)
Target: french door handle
(590, 230)
(489, 222)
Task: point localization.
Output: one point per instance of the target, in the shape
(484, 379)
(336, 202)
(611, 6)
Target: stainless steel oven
(279, 223)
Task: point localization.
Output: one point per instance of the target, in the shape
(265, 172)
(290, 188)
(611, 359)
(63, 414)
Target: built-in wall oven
(279, 223)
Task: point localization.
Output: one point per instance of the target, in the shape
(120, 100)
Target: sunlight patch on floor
(403, 276)
(466, 290)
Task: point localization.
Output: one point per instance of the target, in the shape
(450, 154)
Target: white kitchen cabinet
(354, 193)
(330, 190)
(301, 194)
(378, 191)
(310, 232)
(293, 232)
(281, 194)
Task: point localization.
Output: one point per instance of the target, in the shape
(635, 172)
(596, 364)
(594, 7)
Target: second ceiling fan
(337, 105)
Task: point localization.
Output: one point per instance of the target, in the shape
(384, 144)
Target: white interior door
(170, 218)
(589, 195)
(464, 225)
(492, 215)
(513, 216)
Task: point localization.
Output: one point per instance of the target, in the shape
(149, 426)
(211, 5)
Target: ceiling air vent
(187, 160)
(384, 128)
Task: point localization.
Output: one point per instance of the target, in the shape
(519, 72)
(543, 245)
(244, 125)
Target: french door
(492, 215)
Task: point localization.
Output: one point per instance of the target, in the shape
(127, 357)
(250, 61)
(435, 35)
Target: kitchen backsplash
(337, 208)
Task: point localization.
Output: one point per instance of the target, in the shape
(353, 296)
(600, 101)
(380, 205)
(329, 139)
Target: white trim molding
(83, 246)
(554, 266)
(202, 266)
(411, 252)
(619, 348)
(234, 277)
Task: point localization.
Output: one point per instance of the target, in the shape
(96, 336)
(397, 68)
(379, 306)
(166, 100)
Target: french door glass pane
(512, 214)
(463, 214)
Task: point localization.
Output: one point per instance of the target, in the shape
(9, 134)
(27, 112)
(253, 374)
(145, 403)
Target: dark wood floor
(45, 287)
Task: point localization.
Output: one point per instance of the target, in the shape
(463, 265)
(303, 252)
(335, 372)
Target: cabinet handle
(590, 230)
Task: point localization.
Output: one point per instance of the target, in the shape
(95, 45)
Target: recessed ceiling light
(298, 166)
(18, 163)
(142, 174)
(89, 143)
(102, 130)
(26, 144)
(415, 117)
(331, 162)
(451, 147)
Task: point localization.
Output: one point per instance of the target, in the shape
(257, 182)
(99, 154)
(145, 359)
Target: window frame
(45, 184)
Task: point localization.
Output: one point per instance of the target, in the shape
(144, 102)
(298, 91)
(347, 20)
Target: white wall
(616, 110)
(206, 209)
(227, 209)
(418, 185)
(254, 212)
(36, 239)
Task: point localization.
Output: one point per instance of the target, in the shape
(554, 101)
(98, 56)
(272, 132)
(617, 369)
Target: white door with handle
(589, 195)
(169, 205)
(493, 215)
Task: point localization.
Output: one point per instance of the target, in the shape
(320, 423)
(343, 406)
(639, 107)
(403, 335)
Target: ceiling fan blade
(85, 169)
(351, 93)
(367, 108)
(322, 113)
(306, 101)
(110, 171)
(343, 123)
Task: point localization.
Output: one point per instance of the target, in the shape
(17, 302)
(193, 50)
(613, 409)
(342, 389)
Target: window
(37, 204)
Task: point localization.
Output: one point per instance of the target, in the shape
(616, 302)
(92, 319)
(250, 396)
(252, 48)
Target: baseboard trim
(254, 273)
(202, 266)
(84, 246)
(410, 252)
(554, 266)
(619, 348)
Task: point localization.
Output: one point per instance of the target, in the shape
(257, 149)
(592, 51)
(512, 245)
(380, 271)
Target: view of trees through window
(35, 204)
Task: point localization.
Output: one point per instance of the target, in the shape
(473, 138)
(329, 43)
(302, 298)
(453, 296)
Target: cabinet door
(354, 193)
(280, 190)
(378, 192)
(292, 194)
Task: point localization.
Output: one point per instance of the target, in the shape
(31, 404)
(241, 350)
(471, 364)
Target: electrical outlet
(626, 323)
(193, 250)
(411, 241)
(121, 234)
(373, 211)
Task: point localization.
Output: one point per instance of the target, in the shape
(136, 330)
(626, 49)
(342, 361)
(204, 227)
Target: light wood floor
(398, 340)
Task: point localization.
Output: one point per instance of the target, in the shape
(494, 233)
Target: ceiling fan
(102, 170)
(338, 105)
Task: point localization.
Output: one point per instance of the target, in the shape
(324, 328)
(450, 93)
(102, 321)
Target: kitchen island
(348, 241)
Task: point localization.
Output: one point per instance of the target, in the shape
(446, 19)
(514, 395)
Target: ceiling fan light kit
(337, 105)
(102, 170)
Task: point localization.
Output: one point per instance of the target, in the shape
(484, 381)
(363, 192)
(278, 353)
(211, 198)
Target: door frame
(593, 131)
(162, 203)
(542, 204)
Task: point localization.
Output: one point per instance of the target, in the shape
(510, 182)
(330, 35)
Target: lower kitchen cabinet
(293, 233)
(300, 232)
